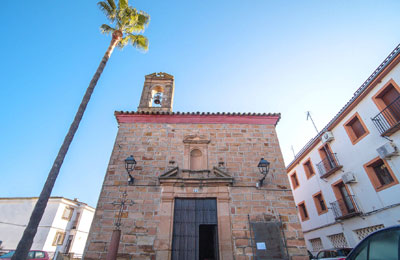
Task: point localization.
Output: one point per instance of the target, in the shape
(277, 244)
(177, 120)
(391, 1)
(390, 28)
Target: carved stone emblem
(196, 139)
(216, 175)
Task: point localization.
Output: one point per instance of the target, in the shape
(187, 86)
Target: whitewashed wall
(82, 231)
(352, 157)
(15, 214)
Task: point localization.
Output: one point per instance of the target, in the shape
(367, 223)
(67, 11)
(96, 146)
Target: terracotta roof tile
(193, 113)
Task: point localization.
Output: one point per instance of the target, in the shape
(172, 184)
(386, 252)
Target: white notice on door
(261, 246)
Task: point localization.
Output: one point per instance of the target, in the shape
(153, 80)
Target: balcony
(388, 120)
(328, 166)
(346, 208)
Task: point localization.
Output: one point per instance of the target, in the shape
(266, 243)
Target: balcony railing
(328, 165)
(346, 207)
(388, 120)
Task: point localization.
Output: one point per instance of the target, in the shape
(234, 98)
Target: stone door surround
(170, 192)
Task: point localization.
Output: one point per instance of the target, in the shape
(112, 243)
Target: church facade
(197, 191)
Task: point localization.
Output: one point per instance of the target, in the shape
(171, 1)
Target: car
(310, 255)
(383, 244)
(333, 254)
(33, 254)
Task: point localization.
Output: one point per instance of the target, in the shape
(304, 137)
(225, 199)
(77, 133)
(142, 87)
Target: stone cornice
(197, 118)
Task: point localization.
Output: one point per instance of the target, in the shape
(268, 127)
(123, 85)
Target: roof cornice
(197, 117)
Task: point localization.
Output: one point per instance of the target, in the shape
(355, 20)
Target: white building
(345, 180)
(64, 227)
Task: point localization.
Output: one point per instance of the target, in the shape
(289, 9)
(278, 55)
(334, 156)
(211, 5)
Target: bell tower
(158, 93)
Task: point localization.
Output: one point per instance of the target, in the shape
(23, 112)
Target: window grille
(363, 232)
(316, 244)
(338, 240)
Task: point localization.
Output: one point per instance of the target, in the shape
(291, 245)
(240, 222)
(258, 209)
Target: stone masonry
(235, 142)
(239, 145)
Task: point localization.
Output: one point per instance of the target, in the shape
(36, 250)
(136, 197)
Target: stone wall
(264, 205)
(239, 146)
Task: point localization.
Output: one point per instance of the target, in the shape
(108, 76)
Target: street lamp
(130, 166)
(263, 166)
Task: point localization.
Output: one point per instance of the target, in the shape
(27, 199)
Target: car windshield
(8, 255)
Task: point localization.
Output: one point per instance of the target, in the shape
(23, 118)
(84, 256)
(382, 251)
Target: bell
(157, 98)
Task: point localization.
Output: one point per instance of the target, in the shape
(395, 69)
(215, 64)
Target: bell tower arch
(158, 93)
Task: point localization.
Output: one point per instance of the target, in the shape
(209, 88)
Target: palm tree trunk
(26, 241)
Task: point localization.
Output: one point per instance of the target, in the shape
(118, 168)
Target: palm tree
(126, 25)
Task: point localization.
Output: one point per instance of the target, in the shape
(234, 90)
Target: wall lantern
(130, 166)
(263, 166)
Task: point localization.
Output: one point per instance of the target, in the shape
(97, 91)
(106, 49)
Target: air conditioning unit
(387, 150)
(327, 137)
(348, 177)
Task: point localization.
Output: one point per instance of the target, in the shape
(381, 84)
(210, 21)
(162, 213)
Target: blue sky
(232, 56)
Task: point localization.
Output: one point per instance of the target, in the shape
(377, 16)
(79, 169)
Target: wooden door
(347, 201)
(327, 157)
(389, 96)
(390, 99)
(192, 216)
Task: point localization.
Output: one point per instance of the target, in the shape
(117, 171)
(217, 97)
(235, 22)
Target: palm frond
(127, 20)
(108, 10)
(112, 4)
(120, 18)
(122, 4)
(122, 43)
(106, 29)
(123, 17)
(138, 41)
(137, 22)
(144, 18)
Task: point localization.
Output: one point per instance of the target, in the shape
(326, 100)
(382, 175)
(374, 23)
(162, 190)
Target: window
(387, 95)
(320, 203)
(303, 211)
(345, 204)
(59, 238)
(338, 241)
(39, 254)
(316, 244)
(334, 253)
(75, 223)
(68, 245)
(364, 232)
(67, 214)
(380, 174)
(294, 180)
(329, 163)
(308, 169)
(355, 128)
(387, 99)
